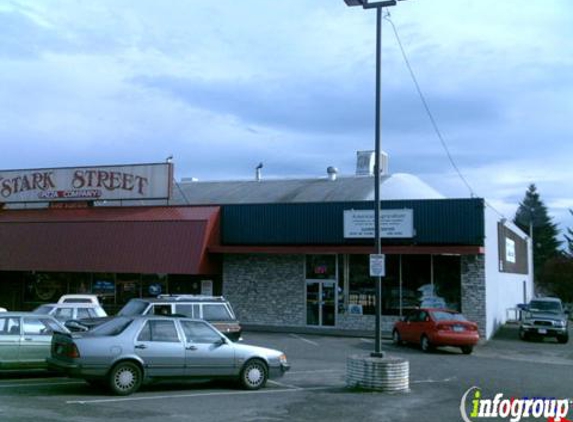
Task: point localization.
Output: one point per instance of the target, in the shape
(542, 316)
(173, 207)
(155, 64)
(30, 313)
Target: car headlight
(560, 323)
(283, 359)
(527, 322)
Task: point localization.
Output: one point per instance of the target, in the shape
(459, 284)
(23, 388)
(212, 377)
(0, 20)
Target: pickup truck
(544, 317)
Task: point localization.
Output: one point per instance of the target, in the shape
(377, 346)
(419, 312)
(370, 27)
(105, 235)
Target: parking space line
(304, 339)
(177, 396)
(280, 384)
(430, 381)
(37, 384)
(315, 371)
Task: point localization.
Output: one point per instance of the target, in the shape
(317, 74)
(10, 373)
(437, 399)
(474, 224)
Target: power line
(427, 108)
(431, 116)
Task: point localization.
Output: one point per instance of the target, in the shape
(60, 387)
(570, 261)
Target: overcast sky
(223, 85)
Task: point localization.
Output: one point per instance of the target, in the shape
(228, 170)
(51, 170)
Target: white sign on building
(510, 250)
(393, 223)
(377, 265)
(129, 182)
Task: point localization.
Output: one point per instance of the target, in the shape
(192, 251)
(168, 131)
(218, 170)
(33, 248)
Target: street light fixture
(379, 5)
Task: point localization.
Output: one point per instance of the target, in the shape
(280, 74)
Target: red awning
(146, 240)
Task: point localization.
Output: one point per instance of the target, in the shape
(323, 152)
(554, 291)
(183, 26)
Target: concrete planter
(388, 374)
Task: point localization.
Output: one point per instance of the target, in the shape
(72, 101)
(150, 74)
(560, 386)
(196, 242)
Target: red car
(431, 327)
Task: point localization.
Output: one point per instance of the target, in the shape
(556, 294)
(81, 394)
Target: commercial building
(289, 254)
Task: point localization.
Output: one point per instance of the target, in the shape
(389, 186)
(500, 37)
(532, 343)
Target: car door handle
(191, 347)
(140, 346)
(28, 339)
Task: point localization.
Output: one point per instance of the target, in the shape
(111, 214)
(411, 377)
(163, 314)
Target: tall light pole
(379, 5)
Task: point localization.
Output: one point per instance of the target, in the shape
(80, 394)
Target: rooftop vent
(366, 160)
(332, 173)
(258, 172)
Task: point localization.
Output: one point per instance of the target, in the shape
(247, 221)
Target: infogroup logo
(473, 407)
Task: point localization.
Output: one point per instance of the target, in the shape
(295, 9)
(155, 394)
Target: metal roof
(358, 188)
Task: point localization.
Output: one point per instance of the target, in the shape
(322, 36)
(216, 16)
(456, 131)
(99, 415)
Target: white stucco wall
(503, 290)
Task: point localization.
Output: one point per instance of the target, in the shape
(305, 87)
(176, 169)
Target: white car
(66, 311)
(2, 309)
(79, 298)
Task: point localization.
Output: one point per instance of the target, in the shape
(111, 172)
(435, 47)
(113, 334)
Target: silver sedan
(25, 340)
(126, 351)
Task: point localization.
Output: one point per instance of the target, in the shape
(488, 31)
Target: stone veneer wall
(473, 290)
(366, 322)
(270, 290)
(266, 289)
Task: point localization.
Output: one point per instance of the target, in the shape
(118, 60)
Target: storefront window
(447, 280)
(79, 283)
(321, 267)
(128, 286)
(44, 287)
(361, 287)
(103, 285)
(411, 281)
(153, 285)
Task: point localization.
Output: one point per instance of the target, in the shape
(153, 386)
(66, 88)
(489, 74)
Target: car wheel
(425, 344)
(563, 339)
(125, 378)
(254, 374)
(467, 350)
(396, 338)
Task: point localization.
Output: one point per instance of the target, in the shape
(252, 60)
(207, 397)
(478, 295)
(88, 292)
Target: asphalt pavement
(314, 389)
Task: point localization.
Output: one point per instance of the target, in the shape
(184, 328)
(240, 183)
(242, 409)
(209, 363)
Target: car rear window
(448, 316)
(43, 310)
(216, 312)
(133, 308)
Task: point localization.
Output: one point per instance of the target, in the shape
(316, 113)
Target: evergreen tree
(569, 238)
(532, 215)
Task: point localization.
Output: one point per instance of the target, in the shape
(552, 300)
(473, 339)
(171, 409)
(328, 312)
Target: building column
(473, 290)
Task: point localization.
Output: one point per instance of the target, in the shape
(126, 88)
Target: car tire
(467, 350)
(425, 344)
(563, 339)
(254, 374)
(125, 378)
(396, 338)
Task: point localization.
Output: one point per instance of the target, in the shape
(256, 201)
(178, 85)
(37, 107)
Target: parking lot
(314, 389)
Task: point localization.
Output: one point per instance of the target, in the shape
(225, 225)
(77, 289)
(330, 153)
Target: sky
(225, 85)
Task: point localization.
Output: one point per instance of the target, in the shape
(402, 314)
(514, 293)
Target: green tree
(569, 239)
(558, 277)
(532, 216)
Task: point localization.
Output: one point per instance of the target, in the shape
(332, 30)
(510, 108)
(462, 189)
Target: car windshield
(133, 308)
(112, 327)
(545, 306)
(448, 316)
(42, 310)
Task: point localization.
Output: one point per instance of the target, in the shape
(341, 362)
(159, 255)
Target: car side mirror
(221, 341)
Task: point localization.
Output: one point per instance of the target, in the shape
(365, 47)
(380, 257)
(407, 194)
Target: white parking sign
(377, 265)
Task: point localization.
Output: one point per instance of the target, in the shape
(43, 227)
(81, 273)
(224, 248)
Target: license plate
(458, 328)
(542, 331)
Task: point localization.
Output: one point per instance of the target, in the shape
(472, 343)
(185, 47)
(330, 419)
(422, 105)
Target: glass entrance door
(321, 302)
